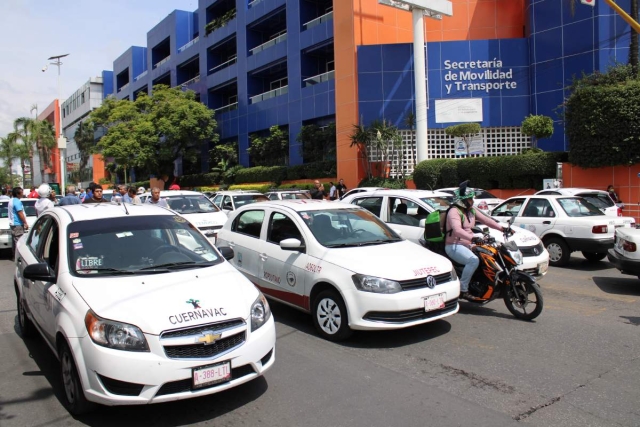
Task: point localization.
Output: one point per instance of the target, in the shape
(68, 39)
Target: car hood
(161, 302)
(396, 261)
(522, 237)
(211, 219)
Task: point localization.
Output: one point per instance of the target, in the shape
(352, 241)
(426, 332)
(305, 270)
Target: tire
(27, 328)
(519, 304)
(330, 316)
(559, 252)
(594, 256)
(73, 397)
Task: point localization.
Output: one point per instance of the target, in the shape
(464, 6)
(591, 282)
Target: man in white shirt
(4, 196)
(44, 202)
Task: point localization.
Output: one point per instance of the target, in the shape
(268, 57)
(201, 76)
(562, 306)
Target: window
(404, 212)
(372, 204)
(82, 98)
(538, 208)
(509, 208)
(576, 207)
(35, 238)
(249, 223)
(51, 246)
(281, 227)
(217, 201)
(226, 203)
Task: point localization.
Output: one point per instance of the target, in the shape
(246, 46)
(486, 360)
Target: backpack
(435, 227)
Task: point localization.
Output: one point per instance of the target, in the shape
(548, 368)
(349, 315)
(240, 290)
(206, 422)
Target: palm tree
(7, 154)
(362, 139)
(84, 138)
(39, 136)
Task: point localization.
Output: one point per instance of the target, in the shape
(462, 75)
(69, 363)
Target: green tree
(270, 150)
(316, 143)
(379, 138)
(466, 131)
(40, 136)
(537, 127)
(224, 156)
(84, 138)
(361, 138)
(7, 154)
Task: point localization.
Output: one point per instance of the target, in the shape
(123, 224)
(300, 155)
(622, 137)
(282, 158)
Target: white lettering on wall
(478, 76)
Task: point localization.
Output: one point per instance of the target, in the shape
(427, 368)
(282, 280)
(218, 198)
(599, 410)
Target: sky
(93, 32)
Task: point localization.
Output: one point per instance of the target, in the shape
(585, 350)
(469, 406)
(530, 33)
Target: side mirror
(422, 223)
(227, 252)
(41, 272)
(292, 245)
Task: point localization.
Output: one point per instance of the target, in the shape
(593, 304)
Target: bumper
(6, 241)
(536, 266)
(369, 311)
(154, 378)
(624, 264)
(590, 245)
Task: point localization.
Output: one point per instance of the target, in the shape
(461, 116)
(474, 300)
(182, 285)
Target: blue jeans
(463, 255)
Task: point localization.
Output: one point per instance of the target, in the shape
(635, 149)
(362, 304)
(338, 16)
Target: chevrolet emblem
(208, 338)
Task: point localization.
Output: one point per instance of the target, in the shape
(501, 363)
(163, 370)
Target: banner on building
(462, 110)
(476, 146)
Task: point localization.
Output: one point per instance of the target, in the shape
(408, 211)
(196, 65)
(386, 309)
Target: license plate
(543, 267)
(212, 374)
(434, 302)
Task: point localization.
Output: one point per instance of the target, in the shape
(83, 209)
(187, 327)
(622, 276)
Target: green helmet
(463, 193)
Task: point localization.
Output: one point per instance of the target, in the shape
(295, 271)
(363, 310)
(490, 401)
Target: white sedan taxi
(6, 241)
(134, 316)
(340, 263)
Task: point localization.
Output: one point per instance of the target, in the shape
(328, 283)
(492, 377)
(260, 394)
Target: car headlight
(454, 274)
(517, 256)
(116, 335)
(376, 284)
(260, 312)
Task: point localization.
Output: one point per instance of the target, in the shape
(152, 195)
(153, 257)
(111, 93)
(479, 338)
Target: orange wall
(52, 115)
(365, 22)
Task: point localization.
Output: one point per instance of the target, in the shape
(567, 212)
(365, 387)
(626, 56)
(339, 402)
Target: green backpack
(435, 227)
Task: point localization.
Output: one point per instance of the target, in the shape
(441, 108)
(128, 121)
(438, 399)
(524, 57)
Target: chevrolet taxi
(134, 316)
(340, 263)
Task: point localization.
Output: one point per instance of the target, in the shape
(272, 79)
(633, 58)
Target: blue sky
(93, 32)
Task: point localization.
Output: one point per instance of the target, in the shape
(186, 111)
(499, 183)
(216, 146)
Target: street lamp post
(62, 141)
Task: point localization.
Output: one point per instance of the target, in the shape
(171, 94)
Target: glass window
(372, 204)
(191, 204)
(404, 212)
(509, 208)
(249, 223)
(281, 227)
(226, 203)
(598, 200)
(483, 194)
(29, 207)
(439, 203)
(577, 206)
(35, 237)
(217, 200)
(247, 199)
(51, 246)
(4, 209)
(273, 196)
(295, 196)
(538, 208)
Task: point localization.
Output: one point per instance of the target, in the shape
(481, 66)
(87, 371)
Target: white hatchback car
(598, 198)
(228, 201)
(625, 255)
(483, 200)
(342, 264)
(564, 223)
(6, 240)
(404, 210)
(134, 316)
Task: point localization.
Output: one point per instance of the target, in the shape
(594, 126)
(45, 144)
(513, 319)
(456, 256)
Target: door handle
(546, 222)
(263, 257)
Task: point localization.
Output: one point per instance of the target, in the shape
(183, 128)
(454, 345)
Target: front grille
(409, 285)
(186, 385)
(410, 315)
(198, 330)
(121, 388)
(532, 250)
(200, 351)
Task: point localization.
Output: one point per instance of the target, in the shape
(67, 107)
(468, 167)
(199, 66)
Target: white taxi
(342, 264)
(134, 316)
(483, 200)
(625, 255)
(228, 201)
(6, 240)
(564, 223)
(406, 210)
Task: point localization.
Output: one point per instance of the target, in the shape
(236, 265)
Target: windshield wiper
(107, 269)
(378, 242)
(177, 265)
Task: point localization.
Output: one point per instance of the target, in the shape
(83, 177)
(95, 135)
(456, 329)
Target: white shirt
(10, 211)
(332, 191)
(3, 197)
(42, 204)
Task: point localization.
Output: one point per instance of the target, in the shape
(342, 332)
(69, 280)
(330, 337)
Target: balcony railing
(319, 20)
(253, 3)
(141, 75)
(272, 42)
(162, 62)
(320, 78)
(188, 45)
(226, 108)
(123, 87)
(271, 94)
(196, 79)
(232, 61)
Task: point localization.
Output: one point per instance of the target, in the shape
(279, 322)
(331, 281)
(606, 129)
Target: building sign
(483, 76)
(463, 110)
(476, 146)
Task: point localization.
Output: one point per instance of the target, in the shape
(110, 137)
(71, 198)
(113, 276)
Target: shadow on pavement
(631, 320)
(627, 285)
(469, 308)
(579, 263)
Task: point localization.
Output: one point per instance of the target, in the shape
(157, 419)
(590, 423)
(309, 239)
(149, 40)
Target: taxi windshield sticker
(179, 219)
(124, 234)
(84, 265)
(74, 235)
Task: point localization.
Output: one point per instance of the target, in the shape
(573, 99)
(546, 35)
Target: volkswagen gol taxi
(340, 263)
(134, 316)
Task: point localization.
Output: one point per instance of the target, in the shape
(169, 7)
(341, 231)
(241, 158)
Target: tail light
(600, 229)
(619, 211)
(628, 246)
(483, 206)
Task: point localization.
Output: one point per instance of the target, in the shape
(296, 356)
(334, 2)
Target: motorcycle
(497, 276)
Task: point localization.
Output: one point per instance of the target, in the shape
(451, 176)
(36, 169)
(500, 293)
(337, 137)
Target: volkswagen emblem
(536, 251)
(431, 282)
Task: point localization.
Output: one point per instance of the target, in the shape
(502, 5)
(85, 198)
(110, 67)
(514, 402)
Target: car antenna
(125, 207)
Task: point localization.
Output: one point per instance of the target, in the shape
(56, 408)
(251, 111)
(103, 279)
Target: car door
(244, 239)
(538, 216)
(404, 217)
(48, 294)
(283, 274)
(510, 210)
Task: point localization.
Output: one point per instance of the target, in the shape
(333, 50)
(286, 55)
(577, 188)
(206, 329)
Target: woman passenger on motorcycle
(458, 239)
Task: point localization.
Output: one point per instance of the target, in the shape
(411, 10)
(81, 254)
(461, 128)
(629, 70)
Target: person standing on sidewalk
(19, 224)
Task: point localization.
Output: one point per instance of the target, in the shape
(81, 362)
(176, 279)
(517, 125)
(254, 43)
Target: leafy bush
(436, 173)
(275, 174)
(325, 169)
(199, 179)
(229, 176)
(145, 184)
(383, 182)
(261, 188)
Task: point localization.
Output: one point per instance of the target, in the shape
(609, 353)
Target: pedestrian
(83, 195)
(141, 190)
(612, 194)
(33, 194)
(71, 197)
(120, 194)
(174, 186)
(97, 196)
(155, 198)
(132, 197)
(332, 191)
(44, 202)
(4, 196)
(318, 192)
(19, 224)
(90, 188)
(340, 188)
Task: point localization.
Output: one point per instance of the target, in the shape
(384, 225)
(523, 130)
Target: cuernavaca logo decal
(194, 302)
(198, 313)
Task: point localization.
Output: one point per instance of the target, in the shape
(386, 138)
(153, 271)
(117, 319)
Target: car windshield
(292, 196)
(483, 194)
(576, 206)
(137, 245)
(598, 200)
(247, 199)
(189, 204)
(29, 207)
(439, 203)
(347, 227)
(4, 209)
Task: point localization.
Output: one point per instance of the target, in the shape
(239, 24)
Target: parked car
(134, 316)
(564, 223)
(406, 210)
(6, 239)
(359, 190)
(625, 255)
(107, 194)
(483, 200)
(598, 198)
(340, 263)
(288, 194)
(229, 201)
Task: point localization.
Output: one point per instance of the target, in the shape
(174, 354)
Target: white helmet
(44, 190)
(141, 190)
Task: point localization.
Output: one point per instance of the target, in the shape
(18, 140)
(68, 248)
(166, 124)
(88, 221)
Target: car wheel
(27, 328)
(330, 316)
(594, 256)
(73, 397)
(559, 252)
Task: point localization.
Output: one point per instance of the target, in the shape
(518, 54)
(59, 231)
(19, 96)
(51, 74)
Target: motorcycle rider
(459, 238)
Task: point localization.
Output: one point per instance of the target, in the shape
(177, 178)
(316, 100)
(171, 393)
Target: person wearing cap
(141, 190)
(44, 202)
(461, 218)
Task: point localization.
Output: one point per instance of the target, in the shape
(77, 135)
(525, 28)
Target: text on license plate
(212, 374)
(434, 302)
